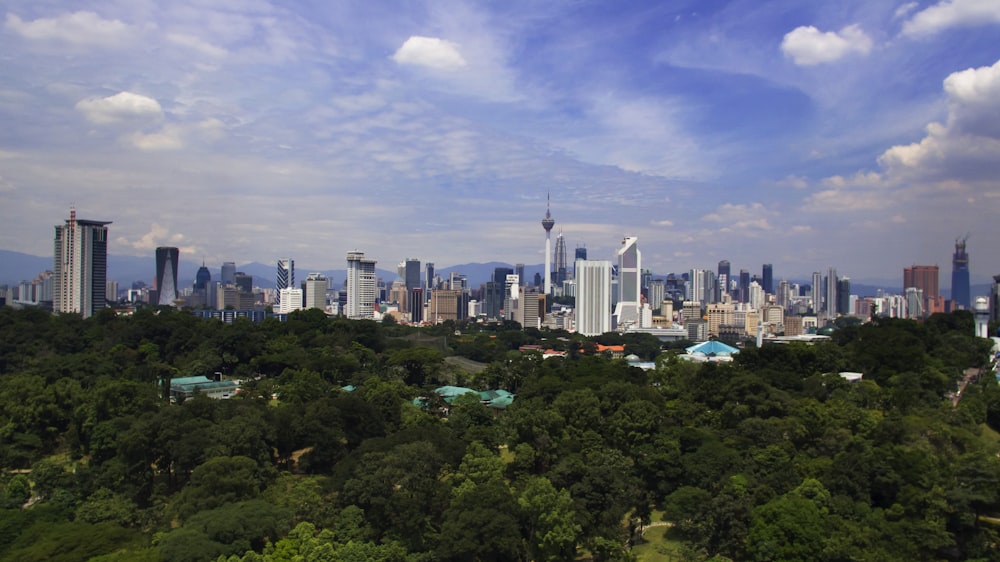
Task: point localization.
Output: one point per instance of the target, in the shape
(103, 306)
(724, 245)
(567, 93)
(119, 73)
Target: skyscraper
(925, 278)
(284, 278)
(724, 279)
(80, 266)
(767, 278)
(429, 278)
(315, 291)
(559, 259)
(547, 223)
(744, 285)
(817, 292)
(629, 290)
(844, 295)
(166, 275)
(960, 276)
(593, 297)
(360, 286)
(831, 292)
(202, 278)
(228, 275)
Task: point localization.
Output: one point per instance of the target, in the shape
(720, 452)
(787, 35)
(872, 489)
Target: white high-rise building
(593, 297)
(757, 296)
(629, 284)
(290, 299)
(80, 266)
(360, 286)
(695, 288)
(315, 295)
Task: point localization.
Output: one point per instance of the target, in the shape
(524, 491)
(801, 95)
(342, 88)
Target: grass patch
(989, 436)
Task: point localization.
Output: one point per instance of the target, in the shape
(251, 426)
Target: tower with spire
(547, 223)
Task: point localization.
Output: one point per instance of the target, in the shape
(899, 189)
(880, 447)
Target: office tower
(166, 275)
(284, 278)
(447, 304)
(844, 296)
(724, 279)
(767, 278)
(315, 291)
(494, 297)
(695, 285)
(228, 276)
(708, 286)
(960, 276)
(547, 223)
(289, 299)
(744, 286)
(817, 292)
(412, 274)
(831, 292)
(593, 297)
(914, 302)
(416, 305)
(80, 266)
(719, 314)
(646, 279)
(360, 286)
(629, 291)
(527, 307)
(243, 282)
(429, 278)
(925, 278)
(981, 310)
(457, 282)
(202, 278)
(559, 260)
(519, 271)
(724, 269)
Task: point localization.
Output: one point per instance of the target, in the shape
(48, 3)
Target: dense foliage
(771, 457)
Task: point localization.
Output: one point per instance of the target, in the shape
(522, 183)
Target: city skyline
(858, 135)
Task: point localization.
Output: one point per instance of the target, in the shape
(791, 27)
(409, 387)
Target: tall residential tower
(80, 266)
(360, 286)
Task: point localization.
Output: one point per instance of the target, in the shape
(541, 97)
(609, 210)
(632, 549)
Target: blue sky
(859, 134)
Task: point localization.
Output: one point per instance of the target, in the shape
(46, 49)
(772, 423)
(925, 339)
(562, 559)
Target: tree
(548, 521)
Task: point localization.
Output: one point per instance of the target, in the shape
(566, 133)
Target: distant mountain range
(16, 267)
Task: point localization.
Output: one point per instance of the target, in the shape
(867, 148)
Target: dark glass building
(960, 277)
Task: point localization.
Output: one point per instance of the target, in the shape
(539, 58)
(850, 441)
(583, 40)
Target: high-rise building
(656, 293)
(228, 275)
(695, 285)
(447, 304)
(744, 286)
(289, 299)
(80, 266)
(417, 305)
(724, 277)
(925, 278)
(429, 278)
(960, 276)
(767, 278)
(202, 278)
(559, 260)
(243, 282)
(593, 297)
(519, 271)
(547, 223)
(844, 296)
(494, 297)
(579, 254)
(831, 292)
(360, 286)
(166, 275)
(817, 292)
(315, 291)
(284, 278)
(511, 293)
(527, 307)
(629, 290)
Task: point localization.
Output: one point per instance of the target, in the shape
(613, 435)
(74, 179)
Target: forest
(325, 456)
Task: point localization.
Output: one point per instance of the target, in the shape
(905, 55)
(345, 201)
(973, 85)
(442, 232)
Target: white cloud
(175, 136)
(808, 46)
(77, 28)
(119, 107)
(430, 52)
(794, 182)
(192, 42)
(952, 13)
(158, 236)
(740, 217)
(664, 223)
(905, 9)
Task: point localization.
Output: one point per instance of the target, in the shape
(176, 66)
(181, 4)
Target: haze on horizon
(862, 135)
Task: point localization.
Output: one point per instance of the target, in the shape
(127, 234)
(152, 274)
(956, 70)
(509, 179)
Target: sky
(859, 134)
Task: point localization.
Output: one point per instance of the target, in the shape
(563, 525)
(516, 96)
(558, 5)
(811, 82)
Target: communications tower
(547, 223)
